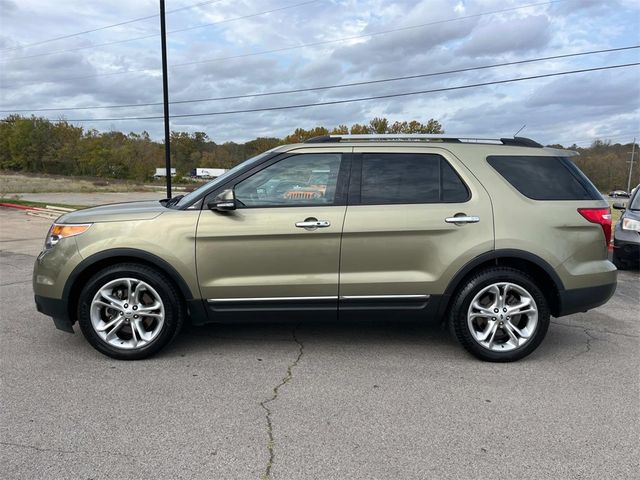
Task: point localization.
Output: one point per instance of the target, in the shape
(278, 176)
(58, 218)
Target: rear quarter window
(545, 178)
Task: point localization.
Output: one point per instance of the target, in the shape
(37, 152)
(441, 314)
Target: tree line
(607, 164)
(38, 145)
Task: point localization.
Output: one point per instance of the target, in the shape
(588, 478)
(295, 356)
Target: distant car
(618, 194)
(626, 236)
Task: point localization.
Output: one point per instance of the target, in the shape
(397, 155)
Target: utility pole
(165, 94)
(633, 151)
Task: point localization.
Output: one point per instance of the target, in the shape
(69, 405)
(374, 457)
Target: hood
(116, 212)
(634, 214)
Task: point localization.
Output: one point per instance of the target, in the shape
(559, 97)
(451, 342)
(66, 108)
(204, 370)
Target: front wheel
(129, 311)
(500, 315)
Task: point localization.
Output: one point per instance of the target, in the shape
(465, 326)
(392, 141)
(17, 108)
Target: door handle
(313, 223)
(462, 219)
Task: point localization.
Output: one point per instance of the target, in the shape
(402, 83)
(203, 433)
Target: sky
(242, 47)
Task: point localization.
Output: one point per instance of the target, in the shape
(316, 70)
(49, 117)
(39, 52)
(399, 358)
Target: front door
(279, 251)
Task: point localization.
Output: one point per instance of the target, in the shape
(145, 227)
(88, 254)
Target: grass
(26, 203)
(615, 214)
(21, 183)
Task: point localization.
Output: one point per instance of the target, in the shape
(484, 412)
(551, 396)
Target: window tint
(297, 180)
(545, 178)
(409, 178)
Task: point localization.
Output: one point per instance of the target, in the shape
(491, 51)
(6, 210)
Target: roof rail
(426, 137)
(324, 139)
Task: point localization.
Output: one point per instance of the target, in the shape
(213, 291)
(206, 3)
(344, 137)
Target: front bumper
(583, 299)
(627, 251)
(57, 309)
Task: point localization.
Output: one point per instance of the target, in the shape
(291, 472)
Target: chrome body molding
(270, 299)
(384, 297)
(330, 297)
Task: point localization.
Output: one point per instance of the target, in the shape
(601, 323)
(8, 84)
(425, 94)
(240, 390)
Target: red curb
(13, 205)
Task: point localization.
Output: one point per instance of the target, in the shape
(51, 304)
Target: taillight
(602, 216)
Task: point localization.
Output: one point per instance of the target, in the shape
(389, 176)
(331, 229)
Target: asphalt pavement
(361, 400)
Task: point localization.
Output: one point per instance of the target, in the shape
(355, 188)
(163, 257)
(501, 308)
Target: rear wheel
(129, 311)
(500, 315)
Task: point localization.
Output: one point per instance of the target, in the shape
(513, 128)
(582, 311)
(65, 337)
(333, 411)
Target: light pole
(633, 151)
(165, 95)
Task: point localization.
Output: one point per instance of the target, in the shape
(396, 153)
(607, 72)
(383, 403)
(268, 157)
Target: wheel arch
(546, 278)
(90, 265)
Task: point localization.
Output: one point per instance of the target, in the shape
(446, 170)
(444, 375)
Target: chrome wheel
(502, 317)
(127, 313)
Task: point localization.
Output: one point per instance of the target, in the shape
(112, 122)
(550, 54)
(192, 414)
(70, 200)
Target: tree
(36, 144)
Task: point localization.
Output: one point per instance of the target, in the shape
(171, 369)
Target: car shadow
(360, 334)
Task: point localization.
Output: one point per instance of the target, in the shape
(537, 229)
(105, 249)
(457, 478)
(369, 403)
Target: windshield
(635, 201)
(190, 197)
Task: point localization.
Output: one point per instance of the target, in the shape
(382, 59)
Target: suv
(626, 235)
(492, 236)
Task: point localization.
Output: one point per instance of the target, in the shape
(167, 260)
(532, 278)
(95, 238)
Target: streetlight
(633, 151)
(165, 94)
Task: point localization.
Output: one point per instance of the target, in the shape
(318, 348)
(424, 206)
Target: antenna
(521, 128)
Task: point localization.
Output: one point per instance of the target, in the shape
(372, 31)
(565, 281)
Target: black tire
(467, 292)
(174, 311)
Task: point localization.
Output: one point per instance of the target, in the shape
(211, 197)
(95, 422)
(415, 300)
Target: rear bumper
(57, 309)
(583, 299)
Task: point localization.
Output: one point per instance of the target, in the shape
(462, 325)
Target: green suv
(492, 236)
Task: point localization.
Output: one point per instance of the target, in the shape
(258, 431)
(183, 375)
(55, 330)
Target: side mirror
(619, 206)
(224, 202)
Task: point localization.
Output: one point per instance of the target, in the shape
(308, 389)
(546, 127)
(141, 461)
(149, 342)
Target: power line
(153, 35)
(599, 137)
(305, 45)
(366, 35)
(126, 22)
(360, 99)
(329, 87)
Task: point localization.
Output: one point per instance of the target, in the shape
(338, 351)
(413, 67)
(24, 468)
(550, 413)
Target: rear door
(279, 250)
(416, 215)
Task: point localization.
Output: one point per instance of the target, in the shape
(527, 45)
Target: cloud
(554, 109)
(599, 89)
(510, 35)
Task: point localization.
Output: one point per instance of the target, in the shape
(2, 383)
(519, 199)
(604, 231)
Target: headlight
(59, 231)
(630, 224)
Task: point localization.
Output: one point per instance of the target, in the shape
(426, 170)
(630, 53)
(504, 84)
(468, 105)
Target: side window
(307, 179)
(396, 178)
(545, 178)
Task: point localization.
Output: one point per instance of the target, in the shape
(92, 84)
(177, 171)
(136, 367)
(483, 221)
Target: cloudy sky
(239, 47)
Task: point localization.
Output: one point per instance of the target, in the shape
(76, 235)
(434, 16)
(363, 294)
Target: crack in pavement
(286, 379)
(587, 345)
(14, 283)
(39, 449)
(628, 335)
(57, 450)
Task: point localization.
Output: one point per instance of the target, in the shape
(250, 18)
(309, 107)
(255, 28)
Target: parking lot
(361, 400)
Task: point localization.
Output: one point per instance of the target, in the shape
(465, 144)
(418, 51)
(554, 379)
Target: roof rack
(423, 137)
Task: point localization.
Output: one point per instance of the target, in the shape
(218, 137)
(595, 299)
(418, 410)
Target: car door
(416, 215)
(279, 250)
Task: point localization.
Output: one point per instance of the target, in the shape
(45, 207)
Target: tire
(518, 330)
(130, 311)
